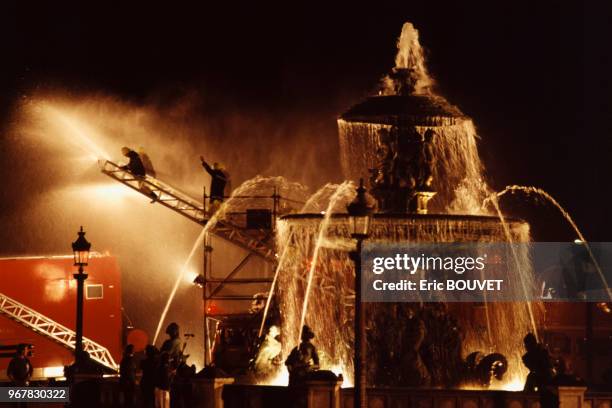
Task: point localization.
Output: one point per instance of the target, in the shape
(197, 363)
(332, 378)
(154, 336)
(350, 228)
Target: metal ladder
(192, 209)
(166, 194)
(51, 329)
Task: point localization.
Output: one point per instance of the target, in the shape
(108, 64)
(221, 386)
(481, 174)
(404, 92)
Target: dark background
(532, 75)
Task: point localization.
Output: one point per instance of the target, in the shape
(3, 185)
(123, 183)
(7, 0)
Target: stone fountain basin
(421, 227)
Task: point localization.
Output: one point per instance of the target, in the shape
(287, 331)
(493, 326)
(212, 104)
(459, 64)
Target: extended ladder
(171, 198)
(166, 194)
(51, 329)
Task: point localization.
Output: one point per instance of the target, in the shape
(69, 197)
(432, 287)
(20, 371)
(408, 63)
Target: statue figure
(441, 349)
(540, 377)
(384, 176)
(381, 175)
(537, 360)
(303, 359)
(404, 166)
(269, 354)
(481, 369)
(414, 373)
(426, 161)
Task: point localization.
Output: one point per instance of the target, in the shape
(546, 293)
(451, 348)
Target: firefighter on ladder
(219, 178)
(137, 168)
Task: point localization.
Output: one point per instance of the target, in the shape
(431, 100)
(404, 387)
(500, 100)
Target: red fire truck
(38, 307)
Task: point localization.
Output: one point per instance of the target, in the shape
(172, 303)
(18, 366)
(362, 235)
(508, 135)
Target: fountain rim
(409, 216)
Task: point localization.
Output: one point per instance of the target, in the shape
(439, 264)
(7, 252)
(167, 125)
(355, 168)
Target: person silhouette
(303, 359)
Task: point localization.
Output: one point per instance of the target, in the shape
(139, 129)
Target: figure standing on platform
(174, 350)
(303, 359)
(219, 179)
(19, 370)
(137, 168)
(172, 345)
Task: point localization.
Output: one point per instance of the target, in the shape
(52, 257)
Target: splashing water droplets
(538, 192)
(410, 55)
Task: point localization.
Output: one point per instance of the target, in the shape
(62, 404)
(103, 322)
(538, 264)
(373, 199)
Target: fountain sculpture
(419, 154)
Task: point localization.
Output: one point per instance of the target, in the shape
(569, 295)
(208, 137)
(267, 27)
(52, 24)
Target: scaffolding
(234, 228)
(51, 329)
(258, 241)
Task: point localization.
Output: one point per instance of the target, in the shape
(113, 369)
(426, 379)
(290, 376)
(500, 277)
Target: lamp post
(80, 248)
(359, 217)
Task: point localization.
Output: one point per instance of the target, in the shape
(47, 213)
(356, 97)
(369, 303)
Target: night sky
(532, 75)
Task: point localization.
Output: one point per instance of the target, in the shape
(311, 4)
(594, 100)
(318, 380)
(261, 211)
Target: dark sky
(532, 74)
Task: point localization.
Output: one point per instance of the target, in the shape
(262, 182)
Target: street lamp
(359, 218)
(80, 248)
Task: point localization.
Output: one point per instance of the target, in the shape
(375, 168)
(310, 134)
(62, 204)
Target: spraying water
(238, 200)
(61, 140)
(408, 108)
(316, 203)
(281, 263)
(396, 119)
(410, 55)
(70, 131)
(541, 193)
(518, 264)
(314, 275)
(341, 193)
(197, 244)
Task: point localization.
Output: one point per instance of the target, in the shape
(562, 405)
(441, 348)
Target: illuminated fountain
(432, 197)
(440, 198)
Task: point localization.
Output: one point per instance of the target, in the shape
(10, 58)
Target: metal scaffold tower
(51, 329)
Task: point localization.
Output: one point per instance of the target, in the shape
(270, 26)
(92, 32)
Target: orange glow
(212, 309)
(605, 307)
(281, 378)
(513, 382)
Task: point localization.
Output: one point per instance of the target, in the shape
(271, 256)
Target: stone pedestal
(310, 394)
(323, 394)
(208, 391)
(571, 397)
